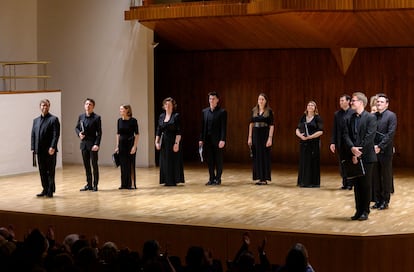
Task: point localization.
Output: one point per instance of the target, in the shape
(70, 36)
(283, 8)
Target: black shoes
(89, 188)
(213, 182)
(363, 217)
(86, 188)
(380, 206)
(376, 205)
(360, 217)
(42, 194)
(383, 206)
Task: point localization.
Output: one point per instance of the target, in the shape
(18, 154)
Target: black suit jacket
(338, 128)
(92, 129)
(386, 126)
(45, 133)
(361, 135)
(218, 128)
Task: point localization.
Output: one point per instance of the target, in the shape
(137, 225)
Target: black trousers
(363, 190)
(383, 179)
(91, 157)
(214, 160)
(47, 166)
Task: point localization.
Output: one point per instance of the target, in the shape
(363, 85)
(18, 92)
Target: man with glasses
(359, 133)
(384, 142)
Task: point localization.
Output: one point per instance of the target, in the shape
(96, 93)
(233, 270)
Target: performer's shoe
(355, 217)
(377, 205)
(41, 194)
(363, 217)
(383, 206)
(217, 182)
(95, 188)
(50, 195)
(86, 188)
(210, 182)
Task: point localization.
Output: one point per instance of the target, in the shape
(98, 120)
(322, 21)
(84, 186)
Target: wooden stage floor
(236, 204)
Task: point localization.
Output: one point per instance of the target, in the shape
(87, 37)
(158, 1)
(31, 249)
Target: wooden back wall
(290, 78)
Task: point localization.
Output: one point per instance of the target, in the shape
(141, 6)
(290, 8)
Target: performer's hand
(51, 151)
(157, 146)
(200, 143)
(356, 151)
(269, 142)
(133, 150)
(221, 144)
(354, 159)
(95, 148)
(81, 135)
(377, 149)
(332, 148)
(176, 147)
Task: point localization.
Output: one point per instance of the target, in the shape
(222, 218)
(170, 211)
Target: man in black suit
(359, 134)
(384, 145)
(213, 137)
(337, 145)
(44, 140)
(89, 130)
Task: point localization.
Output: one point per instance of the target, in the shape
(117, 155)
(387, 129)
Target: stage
(278, 209)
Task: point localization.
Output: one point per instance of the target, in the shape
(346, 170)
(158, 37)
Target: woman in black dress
(127, 141)
(168, 141)
(309, 131)
(260, 138)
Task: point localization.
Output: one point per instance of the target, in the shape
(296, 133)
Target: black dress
(171, 163)
(309, 161)
(261, 153)
(127, 129)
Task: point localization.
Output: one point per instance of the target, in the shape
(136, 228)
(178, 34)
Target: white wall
(18, 112)
(18, 39)
(96, 53)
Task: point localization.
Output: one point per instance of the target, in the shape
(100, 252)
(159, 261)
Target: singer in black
(127, 141)
(384, 148)
(309, 131)
(44, 140)
(168, 141)
(260, 139)
(213, 137)
(359, 134)
(89, 130)
(337, 146)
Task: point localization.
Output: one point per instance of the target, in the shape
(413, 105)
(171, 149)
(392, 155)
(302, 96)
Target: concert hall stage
(216, 216)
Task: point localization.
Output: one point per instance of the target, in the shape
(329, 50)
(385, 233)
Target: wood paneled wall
(327, 252)
(290, 77)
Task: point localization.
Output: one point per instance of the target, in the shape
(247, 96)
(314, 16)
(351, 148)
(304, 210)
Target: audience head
(195, 257)
(150, 250)
(36, 243)
(69, 241)
(109, 252)
(297, 258)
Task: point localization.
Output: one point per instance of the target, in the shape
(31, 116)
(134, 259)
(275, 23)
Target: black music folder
(353, 170)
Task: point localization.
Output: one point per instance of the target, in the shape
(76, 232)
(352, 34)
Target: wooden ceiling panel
(371, 24)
